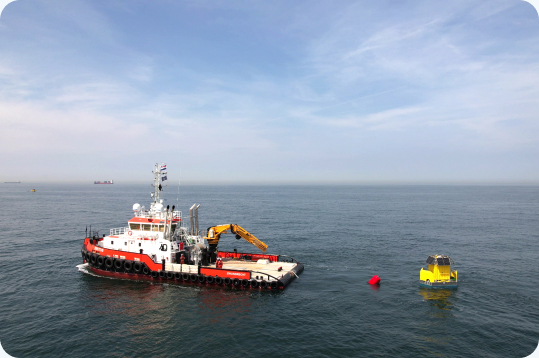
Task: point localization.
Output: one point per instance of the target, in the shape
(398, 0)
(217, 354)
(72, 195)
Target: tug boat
(439, 273)
(156, 246)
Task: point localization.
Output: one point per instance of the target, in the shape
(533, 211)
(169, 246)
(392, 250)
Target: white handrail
(119, 230)
(157, 215)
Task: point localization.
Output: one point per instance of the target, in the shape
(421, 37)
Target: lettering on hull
(226, 273)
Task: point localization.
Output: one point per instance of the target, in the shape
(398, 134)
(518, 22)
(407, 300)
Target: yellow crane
(215, 232)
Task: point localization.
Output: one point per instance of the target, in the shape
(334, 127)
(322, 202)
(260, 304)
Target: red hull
(139, 277)
(235, 278)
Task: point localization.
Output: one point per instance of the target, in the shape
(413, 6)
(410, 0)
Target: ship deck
(239, 270)
(273, 269)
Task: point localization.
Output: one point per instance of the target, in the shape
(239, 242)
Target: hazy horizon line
(298, 183)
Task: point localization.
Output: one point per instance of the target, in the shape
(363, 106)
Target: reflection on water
(217, 304)
(438, 317)
(439, 298)
(127, 299)
(105, 295)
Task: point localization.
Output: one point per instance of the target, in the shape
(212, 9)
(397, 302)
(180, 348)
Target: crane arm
(215, 232)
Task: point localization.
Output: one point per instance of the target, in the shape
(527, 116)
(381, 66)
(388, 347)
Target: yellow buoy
(439, 274)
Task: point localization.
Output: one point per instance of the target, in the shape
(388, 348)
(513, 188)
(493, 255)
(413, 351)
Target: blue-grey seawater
(343, 234)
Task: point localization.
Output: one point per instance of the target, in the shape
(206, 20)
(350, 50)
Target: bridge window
(134, 226)
(146, 227)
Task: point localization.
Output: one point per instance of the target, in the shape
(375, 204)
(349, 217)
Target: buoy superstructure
(439, 273)
(156, 246)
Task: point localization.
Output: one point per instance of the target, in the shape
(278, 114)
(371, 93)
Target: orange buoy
(374, 280)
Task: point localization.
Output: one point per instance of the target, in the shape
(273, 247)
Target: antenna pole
(157, 173)
(178, 197)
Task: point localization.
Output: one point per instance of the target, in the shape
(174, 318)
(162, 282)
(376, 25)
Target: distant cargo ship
(12, 182)
(104, 182)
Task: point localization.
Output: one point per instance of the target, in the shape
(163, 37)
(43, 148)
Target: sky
(386, 91)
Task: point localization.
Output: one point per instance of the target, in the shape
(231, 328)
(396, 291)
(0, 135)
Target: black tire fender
(128, 265)
(100, 261)
(118, 264)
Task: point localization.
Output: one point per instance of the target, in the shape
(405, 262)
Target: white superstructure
(158, 232)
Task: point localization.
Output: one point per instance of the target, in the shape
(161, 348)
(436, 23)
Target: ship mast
(158, 186)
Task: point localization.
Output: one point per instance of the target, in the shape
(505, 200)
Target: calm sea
(343, 234)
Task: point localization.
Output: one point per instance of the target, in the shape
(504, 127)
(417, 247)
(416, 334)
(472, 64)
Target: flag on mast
(163, 167)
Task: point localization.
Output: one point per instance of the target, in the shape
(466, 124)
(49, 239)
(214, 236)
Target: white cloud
(34, 128)
(363, 79)
(390, 119)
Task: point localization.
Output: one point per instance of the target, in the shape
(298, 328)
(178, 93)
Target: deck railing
(284, 258)
(119, 230)
(158, 215)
